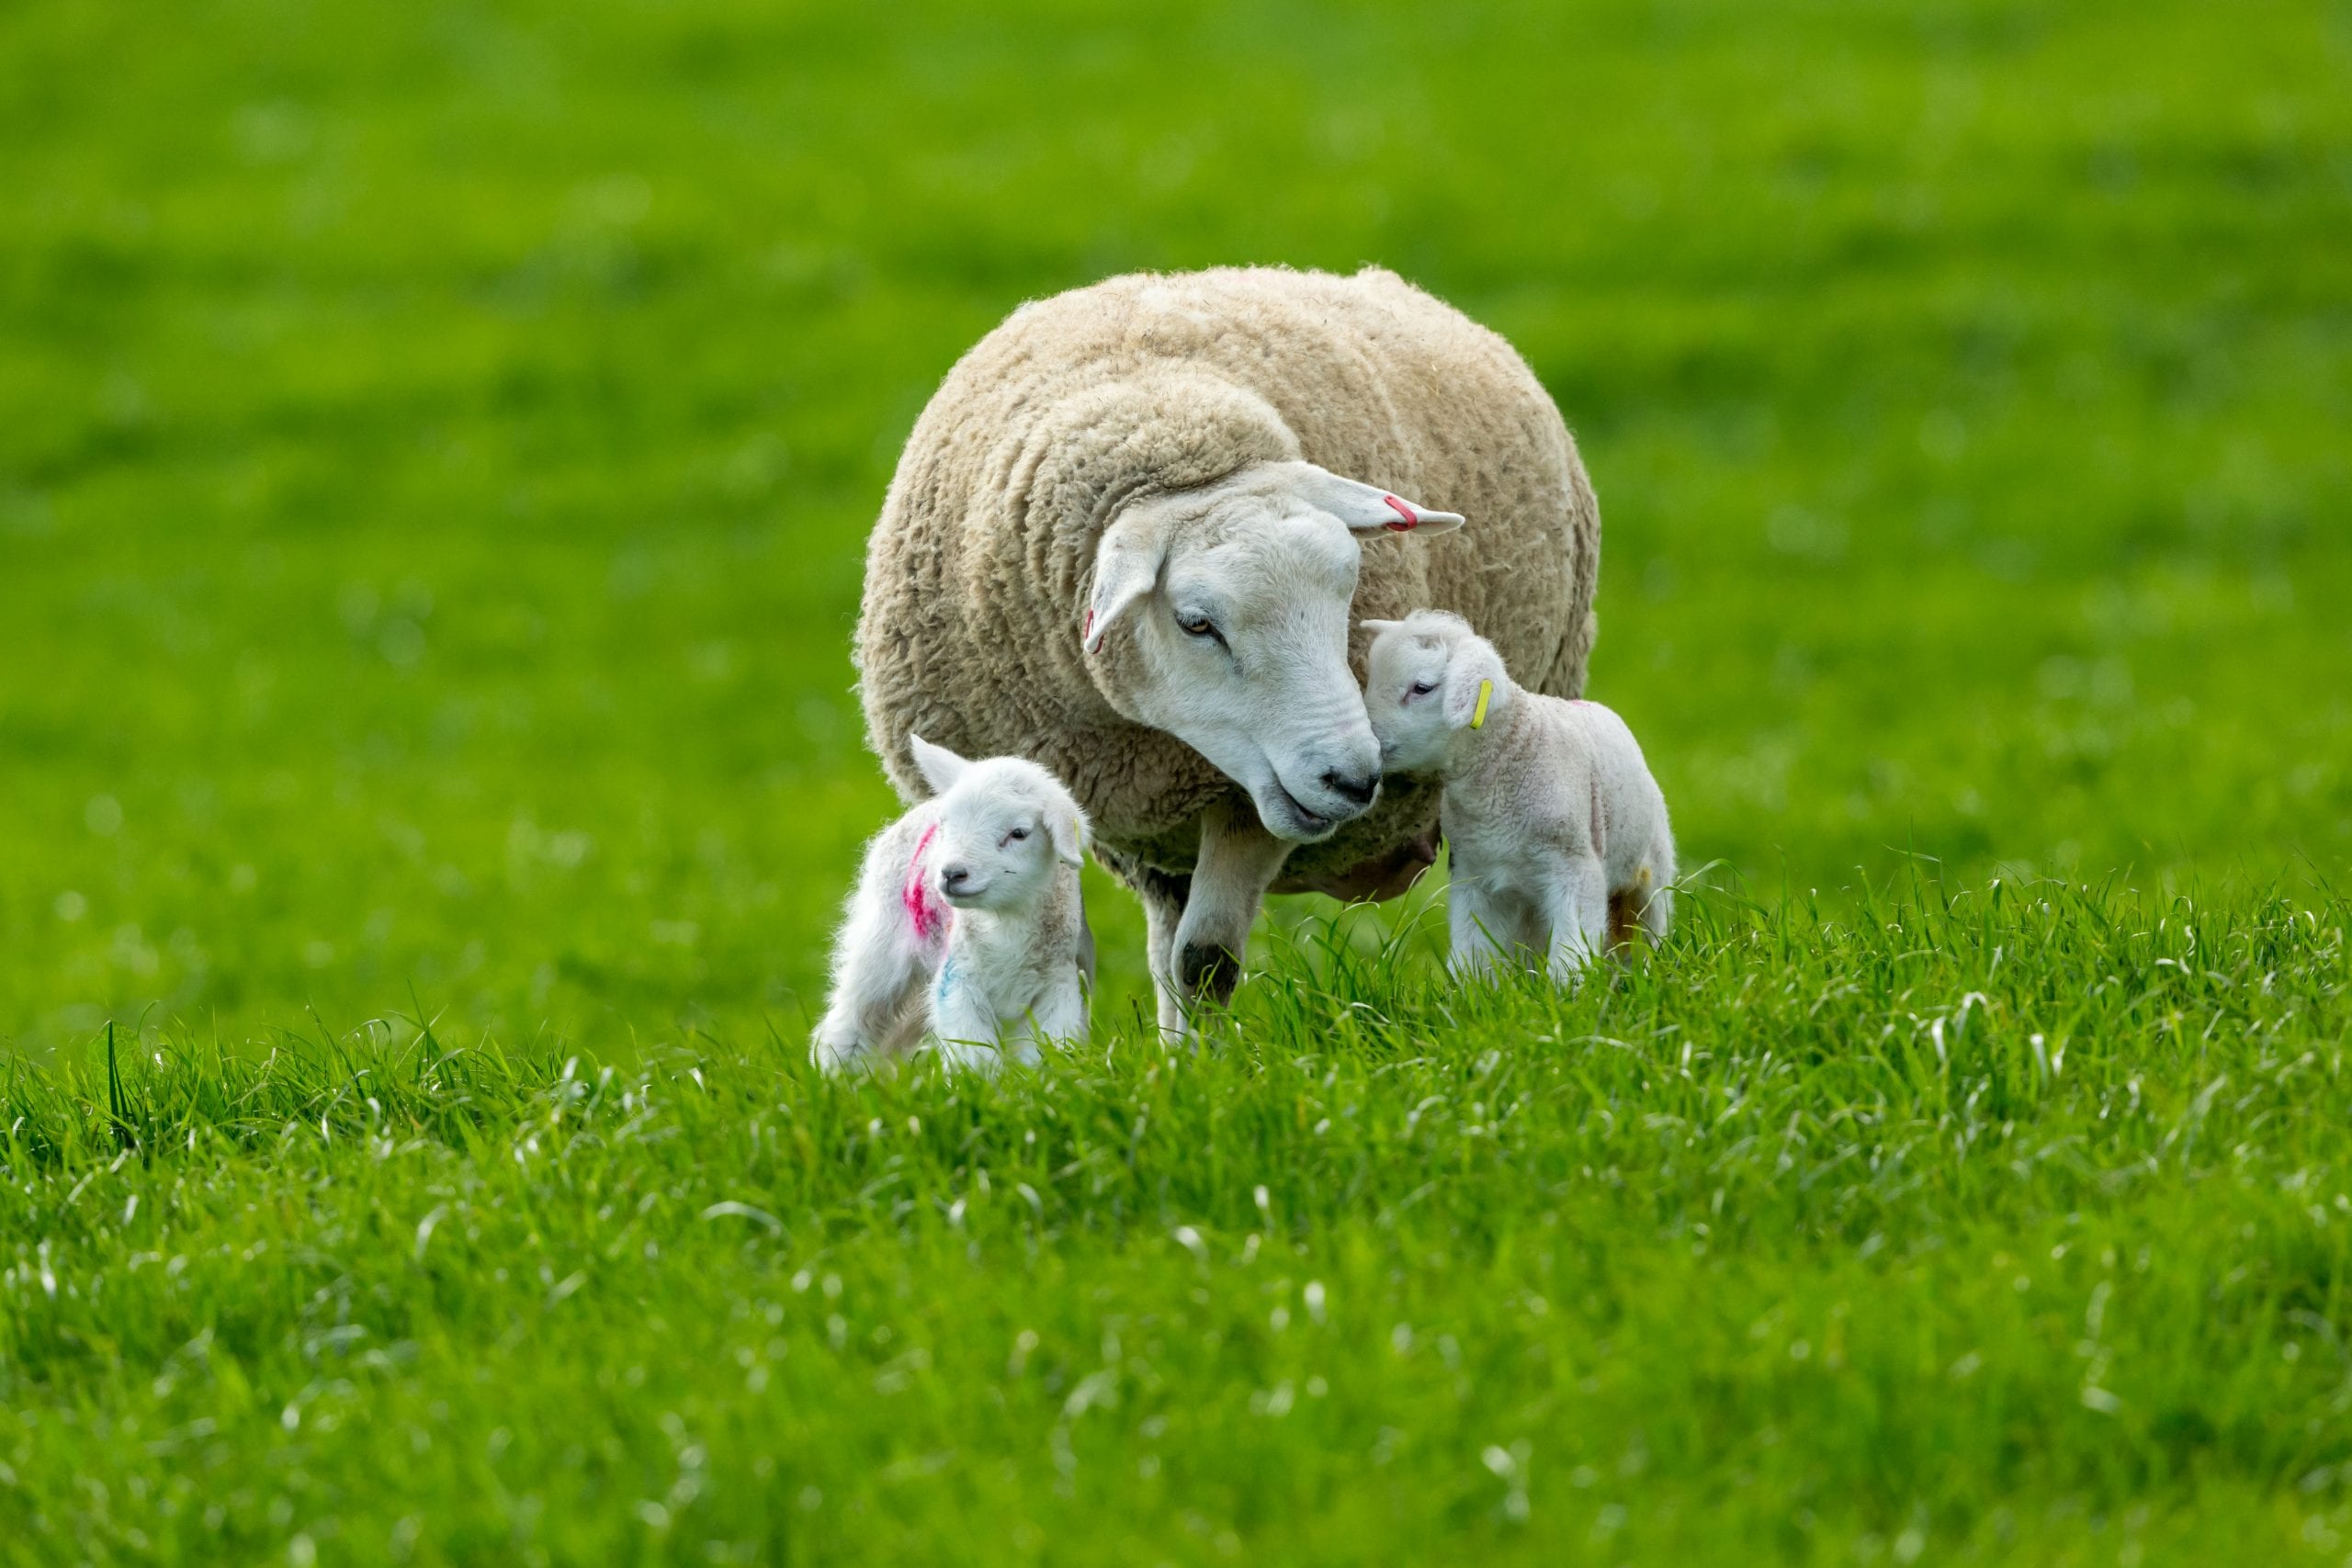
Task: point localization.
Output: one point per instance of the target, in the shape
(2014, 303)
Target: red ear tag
(1088, 634)
(1410, 520)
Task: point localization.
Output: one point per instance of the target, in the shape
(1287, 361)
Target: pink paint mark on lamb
(929, 915)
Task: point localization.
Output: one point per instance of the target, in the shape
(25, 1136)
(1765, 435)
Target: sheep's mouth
(1296, 822)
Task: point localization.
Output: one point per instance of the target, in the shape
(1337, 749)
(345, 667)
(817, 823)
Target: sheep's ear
(1368, 509)
(1127, 565)
(1066, 823)
(1475, 686)
(1378, 628)
(940, 767)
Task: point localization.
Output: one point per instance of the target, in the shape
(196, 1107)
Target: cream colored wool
(978, 572)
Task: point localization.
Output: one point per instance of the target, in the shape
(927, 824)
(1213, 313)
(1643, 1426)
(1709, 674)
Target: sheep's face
(1231, 602)
(1428, 678)
(1004, 827)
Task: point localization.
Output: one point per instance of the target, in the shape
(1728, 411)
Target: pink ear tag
(1410, 521)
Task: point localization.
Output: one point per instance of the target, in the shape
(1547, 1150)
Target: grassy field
(436, 447)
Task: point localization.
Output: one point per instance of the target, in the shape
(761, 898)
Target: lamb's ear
(1368, 509)
(1066, 823)
(1377, 627)
(1476, 685)
(940, 767)
(1126, 565)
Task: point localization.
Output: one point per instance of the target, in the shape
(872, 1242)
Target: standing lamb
(1120, 542)
(1558, 832)
(967, 923)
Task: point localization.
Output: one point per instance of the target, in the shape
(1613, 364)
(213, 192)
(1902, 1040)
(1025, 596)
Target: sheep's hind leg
(1164, 895)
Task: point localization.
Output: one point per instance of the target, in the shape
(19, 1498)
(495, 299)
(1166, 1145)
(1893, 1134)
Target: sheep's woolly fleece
(979, 570)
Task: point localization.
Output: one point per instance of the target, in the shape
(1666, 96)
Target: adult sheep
(1124, 540)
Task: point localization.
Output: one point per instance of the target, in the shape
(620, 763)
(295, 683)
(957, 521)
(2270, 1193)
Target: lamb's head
(1004, 825)
(1427, 677)
(1225, 609)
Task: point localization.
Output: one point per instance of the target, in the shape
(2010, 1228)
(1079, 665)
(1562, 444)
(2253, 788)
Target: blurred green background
(437, 441)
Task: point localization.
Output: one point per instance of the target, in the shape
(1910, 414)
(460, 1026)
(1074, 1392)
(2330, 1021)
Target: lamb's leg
(1657, 913)
(1579, 911)
(1645, 906)
(963, 1023)
(1474, 924)
(877, 970)
(1060, 1015)
(1238, 863)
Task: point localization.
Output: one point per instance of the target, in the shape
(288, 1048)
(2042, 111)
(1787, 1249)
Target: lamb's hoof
(1209, 971)
(844, 1060)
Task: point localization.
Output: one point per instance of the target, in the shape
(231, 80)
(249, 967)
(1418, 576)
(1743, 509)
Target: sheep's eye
(1423, 688)
(1197, 624)
(1016, 835)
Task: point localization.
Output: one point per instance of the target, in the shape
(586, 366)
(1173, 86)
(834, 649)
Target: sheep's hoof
(1209, 971)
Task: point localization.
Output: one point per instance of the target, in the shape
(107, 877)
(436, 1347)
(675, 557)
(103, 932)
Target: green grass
(435, 445)
(1820, 1237)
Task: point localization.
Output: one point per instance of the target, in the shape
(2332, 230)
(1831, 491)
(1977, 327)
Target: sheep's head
(1230, 604)
(1427, 677)
(1004, 825)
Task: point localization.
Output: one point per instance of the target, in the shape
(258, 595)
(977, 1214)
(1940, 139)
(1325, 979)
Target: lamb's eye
(1423, 688)
(1016, 835)
(1194, 624)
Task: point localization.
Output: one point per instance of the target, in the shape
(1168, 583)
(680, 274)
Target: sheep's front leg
(963, 1022)
(1578, 911)
(1238, 863)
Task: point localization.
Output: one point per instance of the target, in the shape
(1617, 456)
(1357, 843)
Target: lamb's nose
(1358, 790)
(953, 877)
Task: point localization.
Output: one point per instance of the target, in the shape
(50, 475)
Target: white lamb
(1558, 832)
(967, 923)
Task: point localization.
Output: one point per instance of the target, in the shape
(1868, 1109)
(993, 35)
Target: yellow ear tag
(1479, 714)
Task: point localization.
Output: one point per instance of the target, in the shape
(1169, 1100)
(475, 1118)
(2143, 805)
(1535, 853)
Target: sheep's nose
(952, 878)
(1358, 791)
